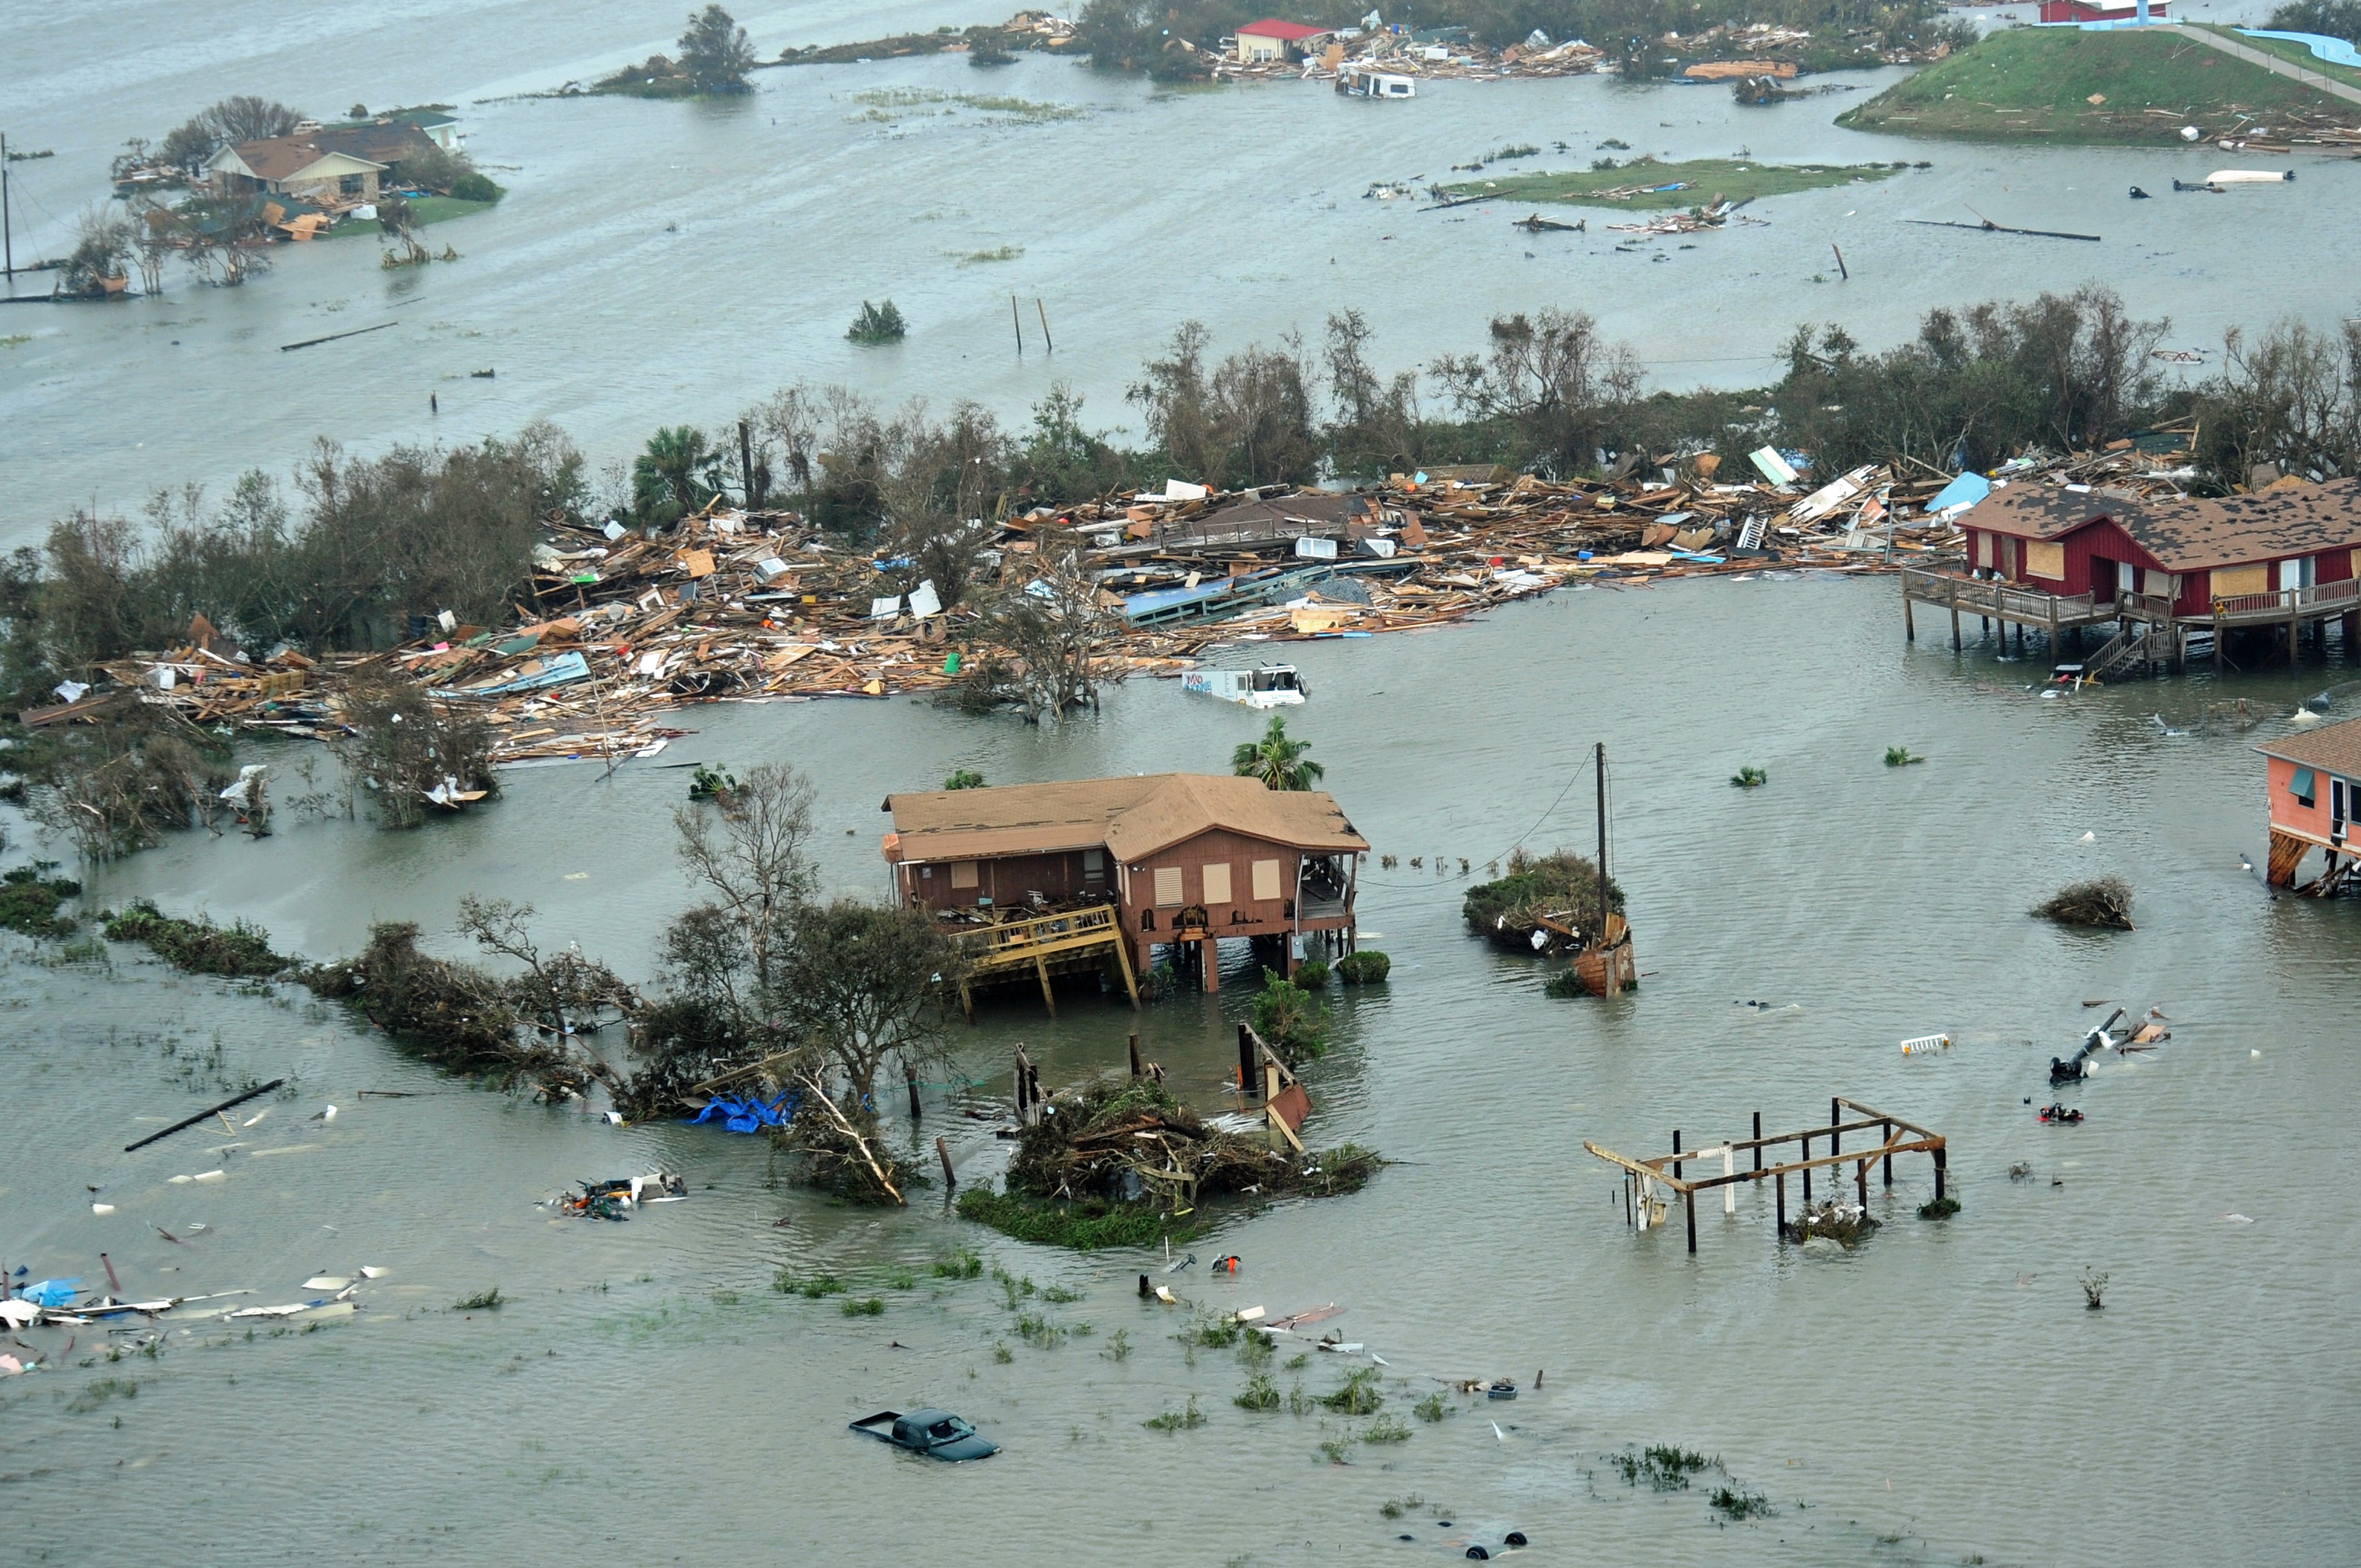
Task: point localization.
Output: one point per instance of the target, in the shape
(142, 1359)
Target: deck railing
(1975, 595)
(2318, 598)
(1017, 941)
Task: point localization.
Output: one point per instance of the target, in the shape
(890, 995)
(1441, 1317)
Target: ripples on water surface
(656, 263)
(648, 1394)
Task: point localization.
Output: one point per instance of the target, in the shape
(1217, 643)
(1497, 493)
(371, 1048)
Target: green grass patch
(241, 951)
(2287, 50)
(2036, 84)
(1663, 1466)
(1085, 1225)
(423, 209)
(961, 1265)
(1694, 182)
(867, 1307)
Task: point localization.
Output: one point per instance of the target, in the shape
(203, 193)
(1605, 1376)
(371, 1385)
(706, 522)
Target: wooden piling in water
(1046, 342)
(1134, 1056)
(1896, 1135)
(910, 1078)
(1246, 1074)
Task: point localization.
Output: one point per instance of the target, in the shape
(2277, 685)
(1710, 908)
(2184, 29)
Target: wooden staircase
(1006, 947)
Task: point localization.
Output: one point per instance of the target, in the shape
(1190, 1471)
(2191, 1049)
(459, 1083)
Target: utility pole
(7, 233)
(1602, 842)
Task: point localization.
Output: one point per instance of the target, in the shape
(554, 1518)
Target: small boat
(1264, 686)
(2249, 177)
(2060, 1116)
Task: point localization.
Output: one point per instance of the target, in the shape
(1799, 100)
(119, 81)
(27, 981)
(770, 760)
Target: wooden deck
(2007, 603)
(1040, 943)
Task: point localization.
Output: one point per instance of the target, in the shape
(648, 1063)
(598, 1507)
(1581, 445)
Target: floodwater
(656, 263)
(1940, 1396)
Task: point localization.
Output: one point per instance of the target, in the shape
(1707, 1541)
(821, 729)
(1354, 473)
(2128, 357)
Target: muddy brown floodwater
(1940, 1396)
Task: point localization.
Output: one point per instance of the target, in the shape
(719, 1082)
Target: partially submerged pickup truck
(938, 1434)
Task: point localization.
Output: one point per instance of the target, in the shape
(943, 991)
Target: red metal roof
(1272, 27)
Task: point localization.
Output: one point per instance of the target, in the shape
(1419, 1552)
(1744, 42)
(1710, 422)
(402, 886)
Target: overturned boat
(1264, 686)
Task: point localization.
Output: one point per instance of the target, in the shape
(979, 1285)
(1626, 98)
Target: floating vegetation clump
(1188, 1420)
(1736, 1502)
(1259, 1393)
(869, 1307)
(961, 1265)
(1367, 968)
(1663, 1467)
(878, 325)
(28, 901)
(2105, 903)
(1901, 757)
(1358, 1396)
(1938, 1209)
(483, 1301)
(975, 257)
(1750, 778)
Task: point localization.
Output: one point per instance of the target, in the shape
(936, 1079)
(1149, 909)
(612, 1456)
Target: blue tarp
(52, 1292)
(1965, 491)
(746, 1115)
(1137, 605)
(557, 672)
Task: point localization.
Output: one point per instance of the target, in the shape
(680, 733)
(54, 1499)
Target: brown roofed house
(2193, 556)
(1180, 858)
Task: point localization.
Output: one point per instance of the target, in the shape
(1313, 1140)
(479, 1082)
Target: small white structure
(1355, 81)
(1264, 686)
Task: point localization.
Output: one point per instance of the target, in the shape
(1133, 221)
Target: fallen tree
(2105, 903)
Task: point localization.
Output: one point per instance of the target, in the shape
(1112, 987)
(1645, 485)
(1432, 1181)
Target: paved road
(2269, 62)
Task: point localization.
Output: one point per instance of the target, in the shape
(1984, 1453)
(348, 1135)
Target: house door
(2102, 581)
(2340, 801)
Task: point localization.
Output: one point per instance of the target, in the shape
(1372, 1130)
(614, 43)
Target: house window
(1217, 882)
(2230, 582)
(1168, 887)
(1095, 865)
(2305, 789)
(2046, 561)
(350, 185)
(927, 873)
(962, 873)
(1266, 881)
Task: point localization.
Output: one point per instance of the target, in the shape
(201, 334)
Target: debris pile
(625, 628)
(2105, 903)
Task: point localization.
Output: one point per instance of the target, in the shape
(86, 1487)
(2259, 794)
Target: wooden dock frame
(1896, 1136)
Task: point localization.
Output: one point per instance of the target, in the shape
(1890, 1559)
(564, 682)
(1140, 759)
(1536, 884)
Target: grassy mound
(1700, 180)
(1366, 967)
(1069, 1181)
(1085, 1225)
(242, 952)
(2038, 83)
(1503, 912)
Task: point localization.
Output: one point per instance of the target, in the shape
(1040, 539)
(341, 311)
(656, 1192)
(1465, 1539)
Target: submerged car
(938, 1434)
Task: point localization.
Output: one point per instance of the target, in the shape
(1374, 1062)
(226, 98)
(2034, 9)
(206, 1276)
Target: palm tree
(1278, 761)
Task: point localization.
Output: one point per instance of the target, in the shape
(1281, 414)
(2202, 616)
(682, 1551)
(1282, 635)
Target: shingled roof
(2187, 535)
(2336, 749)
(1131, 817)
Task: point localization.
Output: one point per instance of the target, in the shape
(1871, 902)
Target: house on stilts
(2169, 576)
(2315, 793)
(1042, 880)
